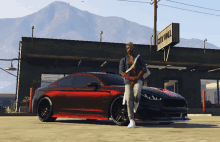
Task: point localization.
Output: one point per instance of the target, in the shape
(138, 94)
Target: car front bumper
(165, 114)
(165, 120)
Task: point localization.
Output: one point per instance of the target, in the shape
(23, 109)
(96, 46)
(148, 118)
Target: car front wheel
(45, 110)
(119, 112)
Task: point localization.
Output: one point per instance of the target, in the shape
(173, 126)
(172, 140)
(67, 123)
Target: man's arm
(141, 73)
(138, 77)
(144, 69)
(128, 77)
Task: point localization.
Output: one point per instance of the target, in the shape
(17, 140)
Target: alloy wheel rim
(44, 109)
(119, 111)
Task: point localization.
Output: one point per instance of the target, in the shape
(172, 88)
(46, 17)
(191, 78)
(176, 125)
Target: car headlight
(151, 97)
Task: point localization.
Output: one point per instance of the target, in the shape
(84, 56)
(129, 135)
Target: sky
(192, 24)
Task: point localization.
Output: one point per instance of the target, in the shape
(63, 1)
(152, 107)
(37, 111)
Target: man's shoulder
(123, 59)
(135, 54)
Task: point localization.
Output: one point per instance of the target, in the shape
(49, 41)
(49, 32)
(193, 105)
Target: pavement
(31, 129)
(31, 114)
(18, 114)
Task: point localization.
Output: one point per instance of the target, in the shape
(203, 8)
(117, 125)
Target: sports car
(99, 95)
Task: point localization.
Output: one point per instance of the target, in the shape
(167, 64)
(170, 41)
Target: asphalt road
(30, 129)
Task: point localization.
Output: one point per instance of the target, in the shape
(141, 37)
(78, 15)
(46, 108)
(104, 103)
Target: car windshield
(111, 79)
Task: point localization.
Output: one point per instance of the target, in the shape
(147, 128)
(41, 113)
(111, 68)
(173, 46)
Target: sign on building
(168, 36)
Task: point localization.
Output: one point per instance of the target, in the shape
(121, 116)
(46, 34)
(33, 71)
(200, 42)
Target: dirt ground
(30, 129)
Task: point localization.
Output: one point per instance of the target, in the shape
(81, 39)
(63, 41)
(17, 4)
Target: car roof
(95, 73)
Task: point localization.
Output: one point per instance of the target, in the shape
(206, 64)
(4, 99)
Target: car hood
(161, 93)
(156, 91)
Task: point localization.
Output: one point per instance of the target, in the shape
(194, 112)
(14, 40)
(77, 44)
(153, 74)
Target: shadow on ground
(142, 124)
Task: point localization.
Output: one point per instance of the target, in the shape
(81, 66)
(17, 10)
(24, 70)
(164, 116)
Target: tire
(45, 110)
(166, 123)
(119, 112)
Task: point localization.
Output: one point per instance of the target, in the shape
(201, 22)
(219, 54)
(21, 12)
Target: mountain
(61, 21)
(196, 43)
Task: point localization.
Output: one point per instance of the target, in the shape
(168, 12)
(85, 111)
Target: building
(216, 97)
(182, 72)
(7, 100)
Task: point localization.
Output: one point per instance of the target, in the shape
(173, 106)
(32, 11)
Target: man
(133, 80)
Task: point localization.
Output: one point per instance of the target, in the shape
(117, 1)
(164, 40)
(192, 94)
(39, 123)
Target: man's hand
(133, 79)
(133, 83)
(128, 77)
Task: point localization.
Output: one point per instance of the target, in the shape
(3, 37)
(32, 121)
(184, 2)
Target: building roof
(3, 95)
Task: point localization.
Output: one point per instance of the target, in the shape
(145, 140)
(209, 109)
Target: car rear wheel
(45, 110)
(119, 112)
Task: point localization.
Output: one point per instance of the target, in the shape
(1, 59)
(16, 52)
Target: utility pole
(204, 44)
(218, 90)
(32, 33)
(155, 20)
(150, 41)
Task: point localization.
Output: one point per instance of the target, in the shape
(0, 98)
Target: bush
(25, 101)
(13, 107)
(208, 104)
(2, 110)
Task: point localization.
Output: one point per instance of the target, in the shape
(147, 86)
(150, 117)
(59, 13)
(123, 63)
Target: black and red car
(98, 95)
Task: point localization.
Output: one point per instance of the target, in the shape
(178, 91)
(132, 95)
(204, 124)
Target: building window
(47, 79)
(211, 90)
(171, 85)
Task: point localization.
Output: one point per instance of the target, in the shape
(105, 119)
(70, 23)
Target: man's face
(130, 49)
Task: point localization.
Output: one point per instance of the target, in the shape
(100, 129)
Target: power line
(189, 10)
(7, 72)
(134, 1)
(192, 5)
(173, 7)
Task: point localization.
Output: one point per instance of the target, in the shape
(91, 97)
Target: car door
(90, 101)
(64, 88)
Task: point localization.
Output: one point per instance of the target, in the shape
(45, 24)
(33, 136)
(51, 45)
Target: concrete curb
(199, 114)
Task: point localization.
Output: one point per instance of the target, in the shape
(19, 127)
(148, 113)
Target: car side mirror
(93, 84)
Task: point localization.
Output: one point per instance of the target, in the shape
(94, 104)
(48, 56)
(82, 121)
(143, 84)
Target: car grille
(174, 103)
(153, 113)
(174, 115)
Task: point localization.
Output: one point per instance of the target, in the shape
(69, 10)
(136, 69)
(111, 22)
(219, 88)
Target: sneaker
(131, 124)
(136, 107)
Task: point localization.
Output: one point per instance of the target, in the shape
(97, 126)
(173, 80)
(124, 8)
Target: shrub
(25, 101)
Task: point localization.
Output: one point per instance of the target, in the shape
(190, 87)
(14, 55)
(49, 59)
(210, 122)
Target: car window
(111, 79)
(66, 81)
(84, 80)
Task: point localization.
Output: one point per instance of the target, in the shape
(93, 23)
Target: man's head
(130, 47)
